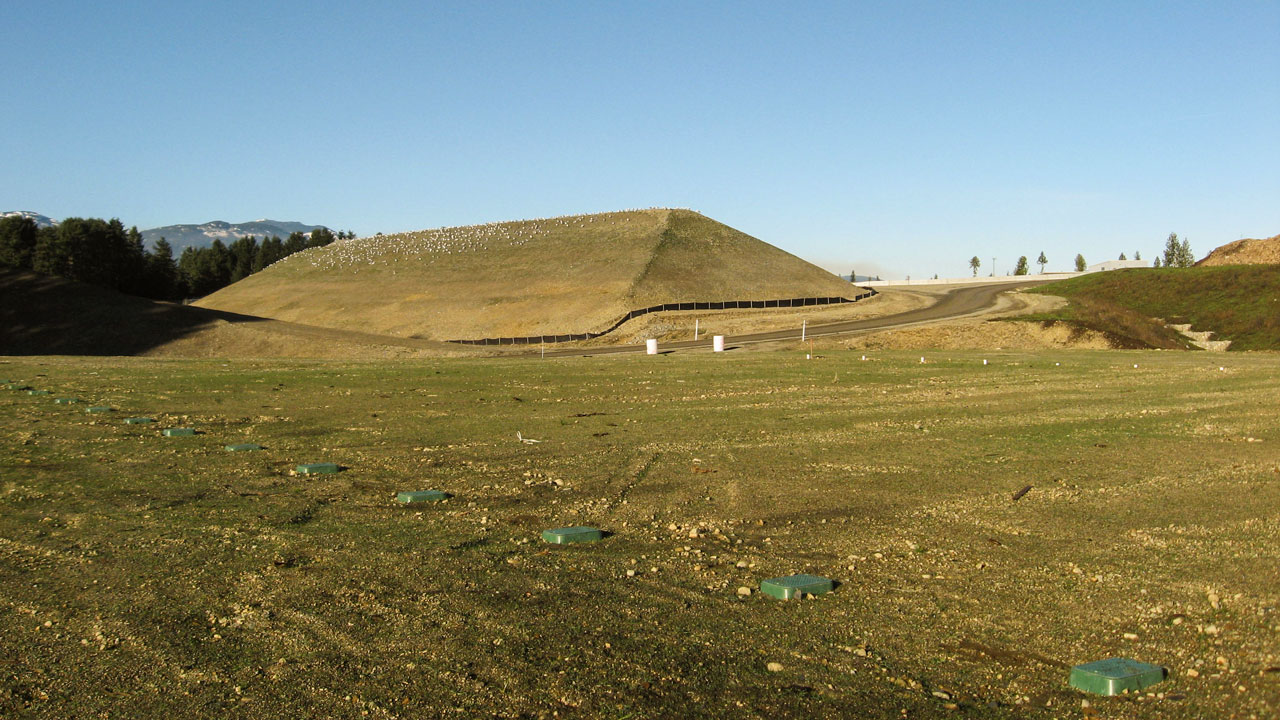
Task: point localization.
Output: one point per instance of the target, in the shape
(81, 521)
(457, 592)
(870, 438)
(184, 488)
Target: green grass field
(1240, 303)
(149, 576)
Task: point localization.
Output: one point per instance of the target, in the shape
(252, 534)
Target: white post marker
(717, 343)
(695, 328)
(921, 359)
(804, 326)
(651, 346)
(984, 361)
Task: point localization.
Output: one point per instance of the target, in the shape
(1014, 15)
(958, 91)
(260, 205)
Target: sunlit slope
(564, 275)
(1249, 251)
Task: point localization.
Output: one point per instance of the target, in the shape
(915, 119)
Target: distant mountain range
(41, 220)
(203, 235)
(181, 237)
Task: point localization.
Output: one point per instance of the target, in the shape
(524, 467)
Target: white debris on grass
(426, 245)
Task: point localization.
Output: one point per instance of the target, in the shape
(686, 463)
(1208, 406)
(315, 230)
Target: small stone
(631, 573)
(1131, 636)
(693, 533)
(673, 527)
(774, 667)
(741, 564)
(744, 591)
(1192, 672)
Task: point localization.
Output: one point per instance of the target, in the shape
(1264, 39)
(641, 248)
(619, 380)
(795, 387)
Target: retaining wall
(667, 307)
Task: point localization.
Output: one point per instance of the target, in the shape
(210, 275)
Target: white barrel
(651, 346)
(717, 343)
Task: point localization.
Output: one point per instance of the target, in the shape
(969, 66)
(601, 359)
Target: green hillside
(563, 275)
(1240, 303)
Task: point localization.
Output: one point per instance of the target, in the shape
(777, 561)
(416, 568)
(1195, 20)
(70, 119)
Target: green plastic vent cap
(1115, 675)
(242, 447)
(318, 469)
(561, 536)
(178, 432)
(785, 588)
(415, 497)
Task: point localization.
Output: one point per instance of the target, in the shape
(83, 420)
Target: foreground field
(147, 576)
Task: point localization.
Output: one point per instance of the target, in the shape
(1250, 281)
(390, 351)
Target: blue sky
(899, 138)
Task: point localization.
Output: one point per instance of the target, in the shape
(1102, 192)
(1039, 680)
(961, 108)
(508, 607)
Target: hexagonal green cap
(785, 588)
(1115, 675)
(561, 536)
(414, 497)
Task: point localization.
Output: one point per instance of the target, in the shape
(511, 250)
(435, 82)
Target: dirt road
(958, 302)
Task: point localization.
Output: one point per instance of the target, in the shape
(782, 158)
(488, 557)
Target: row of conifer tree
(104, 253)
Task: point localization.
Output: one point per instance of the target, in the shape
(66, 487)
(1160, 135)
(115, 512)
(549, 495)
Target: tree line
(1177, 254)
(104, 253)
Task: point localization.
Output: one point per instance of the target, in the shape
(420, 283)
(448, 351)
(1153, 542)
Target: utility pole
(993, 267)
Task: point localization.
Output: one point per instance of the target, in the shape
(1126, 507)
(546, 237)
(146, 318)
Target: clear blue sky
(896, 137)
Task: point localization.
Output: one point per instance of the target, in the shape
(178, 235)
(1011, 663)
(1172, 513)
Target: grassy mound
(563, 275)
(1240, 303)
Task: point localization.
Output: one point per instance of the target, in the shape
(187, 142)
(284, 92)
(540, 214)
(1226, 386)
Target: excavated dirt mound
(1249, 251)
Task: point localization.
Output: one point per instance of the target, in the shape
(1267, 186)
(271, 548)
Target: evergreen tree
(295, 242)
(1171, 250)
(162, 273)
(1021, 268)
(272, 249)
(1042, 261)
(17, 242)
(1157, 262)
(320, 237)
(975, 263)
(1185, 258)
(1080, 264)
(244, 253)
(1122, 257)
(1137, 255)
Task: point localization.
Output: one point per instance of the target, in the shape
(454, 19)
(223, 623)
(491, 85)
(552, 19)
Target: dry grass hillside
(1249, 251)
(563, 275)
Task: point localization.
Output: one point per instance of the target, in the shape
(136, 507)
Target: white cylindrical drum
(717, 343)
(651, 346)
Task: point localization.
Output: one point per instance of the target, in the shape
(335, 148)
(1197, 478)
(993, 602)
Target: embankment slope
(564, 275)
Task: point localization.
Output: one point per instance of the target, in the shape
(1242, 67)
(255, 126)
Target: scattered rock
(774, 667)
(744, 591)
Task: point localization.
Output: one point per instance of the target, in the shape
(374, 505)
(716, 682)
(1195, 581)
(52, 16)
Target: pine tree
(17, 242)
(975, 263)
(1171, 250)
(1042, 261)
(1021, 268)
(1080, 264)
